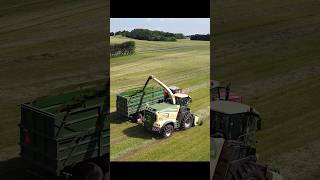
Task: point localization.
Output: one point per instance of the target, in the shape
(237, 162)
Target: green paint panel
(134, 100)
(150, 118)
(65, 129)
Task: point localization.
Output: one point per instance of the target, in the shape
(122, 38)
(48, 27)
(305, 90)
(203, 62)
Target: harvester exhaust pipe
(227, 92)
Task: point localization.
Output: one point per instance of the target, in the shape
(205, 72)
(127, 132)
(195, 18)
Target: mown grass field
(183, 63)
(44, 45)
(269, 51)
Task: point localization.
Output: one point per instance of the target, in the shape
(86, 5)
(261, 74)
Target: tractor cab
(175, 89)
(215, 89)
(219, 92)
(181, 97)
(234, 121)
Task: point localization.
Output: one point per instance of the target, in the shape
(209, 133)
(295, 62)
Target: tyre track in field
(146, 146)
(132, 150)
(175, 143)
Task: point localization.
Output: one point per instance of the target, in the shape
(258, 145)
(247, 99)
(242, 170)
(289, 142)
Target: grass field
(269, 51)
(183, 63)
(44, 45)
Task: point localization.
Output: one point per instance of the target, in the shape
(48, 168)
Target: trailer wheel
(187, 120)
(88, 171)
(136, 117)
(166, 131)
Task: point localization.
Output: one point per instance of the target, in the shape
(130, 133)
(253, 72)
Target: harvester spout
(164, 86)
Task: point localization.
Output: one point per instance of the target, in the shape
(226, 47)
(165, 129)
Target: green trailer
(66, 135)
(133, 102)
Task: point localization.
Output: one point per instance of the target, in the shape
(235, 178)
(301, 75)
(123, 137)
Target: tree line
(149, 35)
(122, 49)
(201, 37)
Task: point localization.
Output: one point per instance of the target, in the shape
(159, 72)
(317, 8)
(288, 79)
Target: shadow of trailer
(66, 136)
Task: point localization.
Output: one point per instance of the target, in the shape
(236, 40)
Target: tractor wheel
(88, 171)
(166, 131)
(249, 171)
(187, 120)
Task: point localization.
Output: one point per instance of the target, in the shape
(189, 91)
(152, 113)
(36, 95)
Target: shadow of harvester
(138, 131)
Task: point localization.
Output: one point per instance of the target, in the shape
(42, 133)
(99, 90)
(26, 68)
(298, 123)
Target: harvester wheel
(187, 120)
(166, 131)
